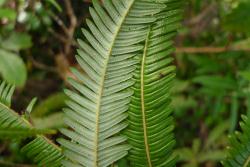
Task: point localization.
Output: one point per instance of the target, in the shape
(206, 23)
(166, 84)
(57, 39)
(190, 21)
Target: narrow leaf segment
(150, 129)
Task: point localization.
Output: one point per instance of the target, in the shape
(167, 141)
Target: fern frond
(10, 120)
(14, 126)
(43, 152)
(150, 129)
(6, 92)
(97, 111)
(238, 153)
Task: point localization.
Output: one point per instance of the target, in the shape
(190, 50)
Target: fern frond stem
(16, 114)
(29, 125)
(142, 102)
(247, 162)
(103, 80)
(51, 143)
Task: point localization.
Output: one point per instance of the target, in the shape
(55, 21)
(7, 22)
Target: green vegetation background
(211, 91)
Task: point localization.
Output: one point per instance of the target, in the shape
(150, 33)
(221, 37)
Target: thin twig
(72, 26)
(57, 35)
(59, 22)
(43, 66)
(209, 49)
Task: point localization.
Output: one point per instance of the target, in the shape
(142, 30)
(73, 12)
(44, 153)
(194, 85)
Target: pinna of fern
(11, 124)
(43, 152)
(238, 153)
(14, 126)
(150, 130)
(97, 110)
(6, 92)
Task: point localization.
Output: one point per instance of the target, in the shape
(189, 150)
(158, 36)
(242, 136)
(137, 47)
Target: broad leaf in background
(205, 64)
(12, 68)
(213, 84)
(9, 14)
(245, 75)
(2, 2)
(16, 42)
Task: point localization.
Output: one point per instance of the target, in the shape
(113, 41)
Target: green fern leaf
(14, 126)
(150, 129)
(6, 92)
(238, 153)
(97, 110)
(43, 152)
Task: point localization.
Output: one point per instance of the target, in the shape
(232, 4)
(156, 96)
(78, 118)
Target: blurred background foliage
(211, 91)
